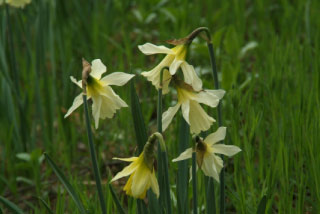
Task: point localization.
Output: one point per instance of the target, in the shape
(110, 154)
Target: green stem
(94, 157)
(194, 182)
(216, 85)
(162, 155)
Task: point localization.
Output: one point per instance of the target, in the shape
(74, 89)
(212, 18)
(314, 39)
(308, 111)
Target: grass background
(271, 108)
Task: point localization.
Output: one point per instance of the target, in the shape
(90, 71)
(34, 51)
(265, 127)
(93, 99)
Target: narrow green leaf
(139, 126)
(46, 205)
(210, 197)
(262, 205)
(116, 200)
(183, 175)
(141, 136)
(66, 183)
(11, 206)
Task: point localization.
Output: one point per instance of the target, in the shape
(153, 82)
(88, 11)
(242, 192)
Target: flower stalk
(194, 180)
(85, 74)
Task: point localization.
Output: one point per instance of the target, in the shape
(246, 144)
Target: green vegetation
(267, 55)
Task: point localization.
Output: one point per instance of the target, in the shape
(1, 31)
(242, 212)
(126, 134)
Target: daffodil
(174, 59)
(105, 100)
(16, 3)
(142, 176)
(189, 101)
(210, 163)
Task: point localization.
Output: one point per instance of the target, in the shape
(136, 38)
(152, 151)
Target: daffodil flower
(174, 59)
(105, 100)
(206, 150)
(189, 101)
(16, 3)
(142, 177)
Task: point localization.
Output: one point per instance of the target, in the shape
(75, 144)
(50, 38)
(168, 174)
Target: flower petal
(198, 118)
(174, 66)
(190, 76)
(168, 115)
(149, 49)
(97, 68)
(76, 103)
(154, 184)
(141, 181)
(217, 136)
(125, 172)
(116, 78)
(184, 155)
(209, 97)
(96, 107)
(208, 167)
(78, 83)
(185, 107)
(228, 150)
(126, 159)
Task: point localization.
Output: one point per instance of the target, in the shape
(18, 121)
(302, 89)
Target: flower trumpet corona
(189, 101)
(105, 100)
(142, 173)
(16, 3)
(206, 150)
(174, 59)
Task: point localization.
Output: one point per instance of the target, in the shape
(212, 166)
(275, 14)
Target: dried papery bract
(86, 69)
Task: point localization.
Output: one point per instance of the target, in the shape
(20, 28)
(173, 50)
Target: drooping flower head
(189, 100)
(142, 173)
(210, 163)
(174, 59)
(16, 3)
(105, 100)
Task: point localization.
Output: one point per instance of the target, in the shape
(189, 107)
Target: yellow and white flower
(142, 177)
(174, 59)
(206, 150)
(189, 101)
(16, 3)
(105, 100)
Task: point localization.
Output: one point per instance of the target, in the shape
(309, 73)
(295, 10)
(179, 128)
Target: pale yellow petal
(116, 78)
(76, 103)
(208, 167)
(228, 150)
(184, 155)
(198, 118)
(185, 107)
(125, 172)
(149, 49)
(218, 93)
(126, 159)
(190, 76)
(140, 181)
(217, 136)
(78, 83)
(174, 66)
(154, 184)
(168, 116)
(97, 68)
(96, 107)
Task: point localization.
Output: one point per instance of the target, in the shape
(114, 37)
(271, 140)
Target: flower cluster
(190, 96)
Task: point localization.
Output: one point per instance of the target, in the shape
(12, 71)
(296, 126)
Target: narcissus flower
(206, 150)
(16, 3)
(174, 59)
(105, 100)
(189, 101)
(142, 174)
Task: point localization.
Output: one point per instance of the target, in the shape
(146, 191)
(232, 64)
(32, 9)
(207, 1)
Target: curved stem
(94, 157)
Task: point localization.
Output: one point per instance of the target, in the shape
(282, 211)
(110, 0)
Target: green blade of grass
(116, 201)
(11, 206)
(66, 184)
(46, 205)
(262, 205)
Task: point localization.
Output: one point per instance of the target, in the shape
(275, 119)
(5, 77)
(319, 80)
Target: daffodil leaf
(46, 205)
(11, 206)
(66, 184)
